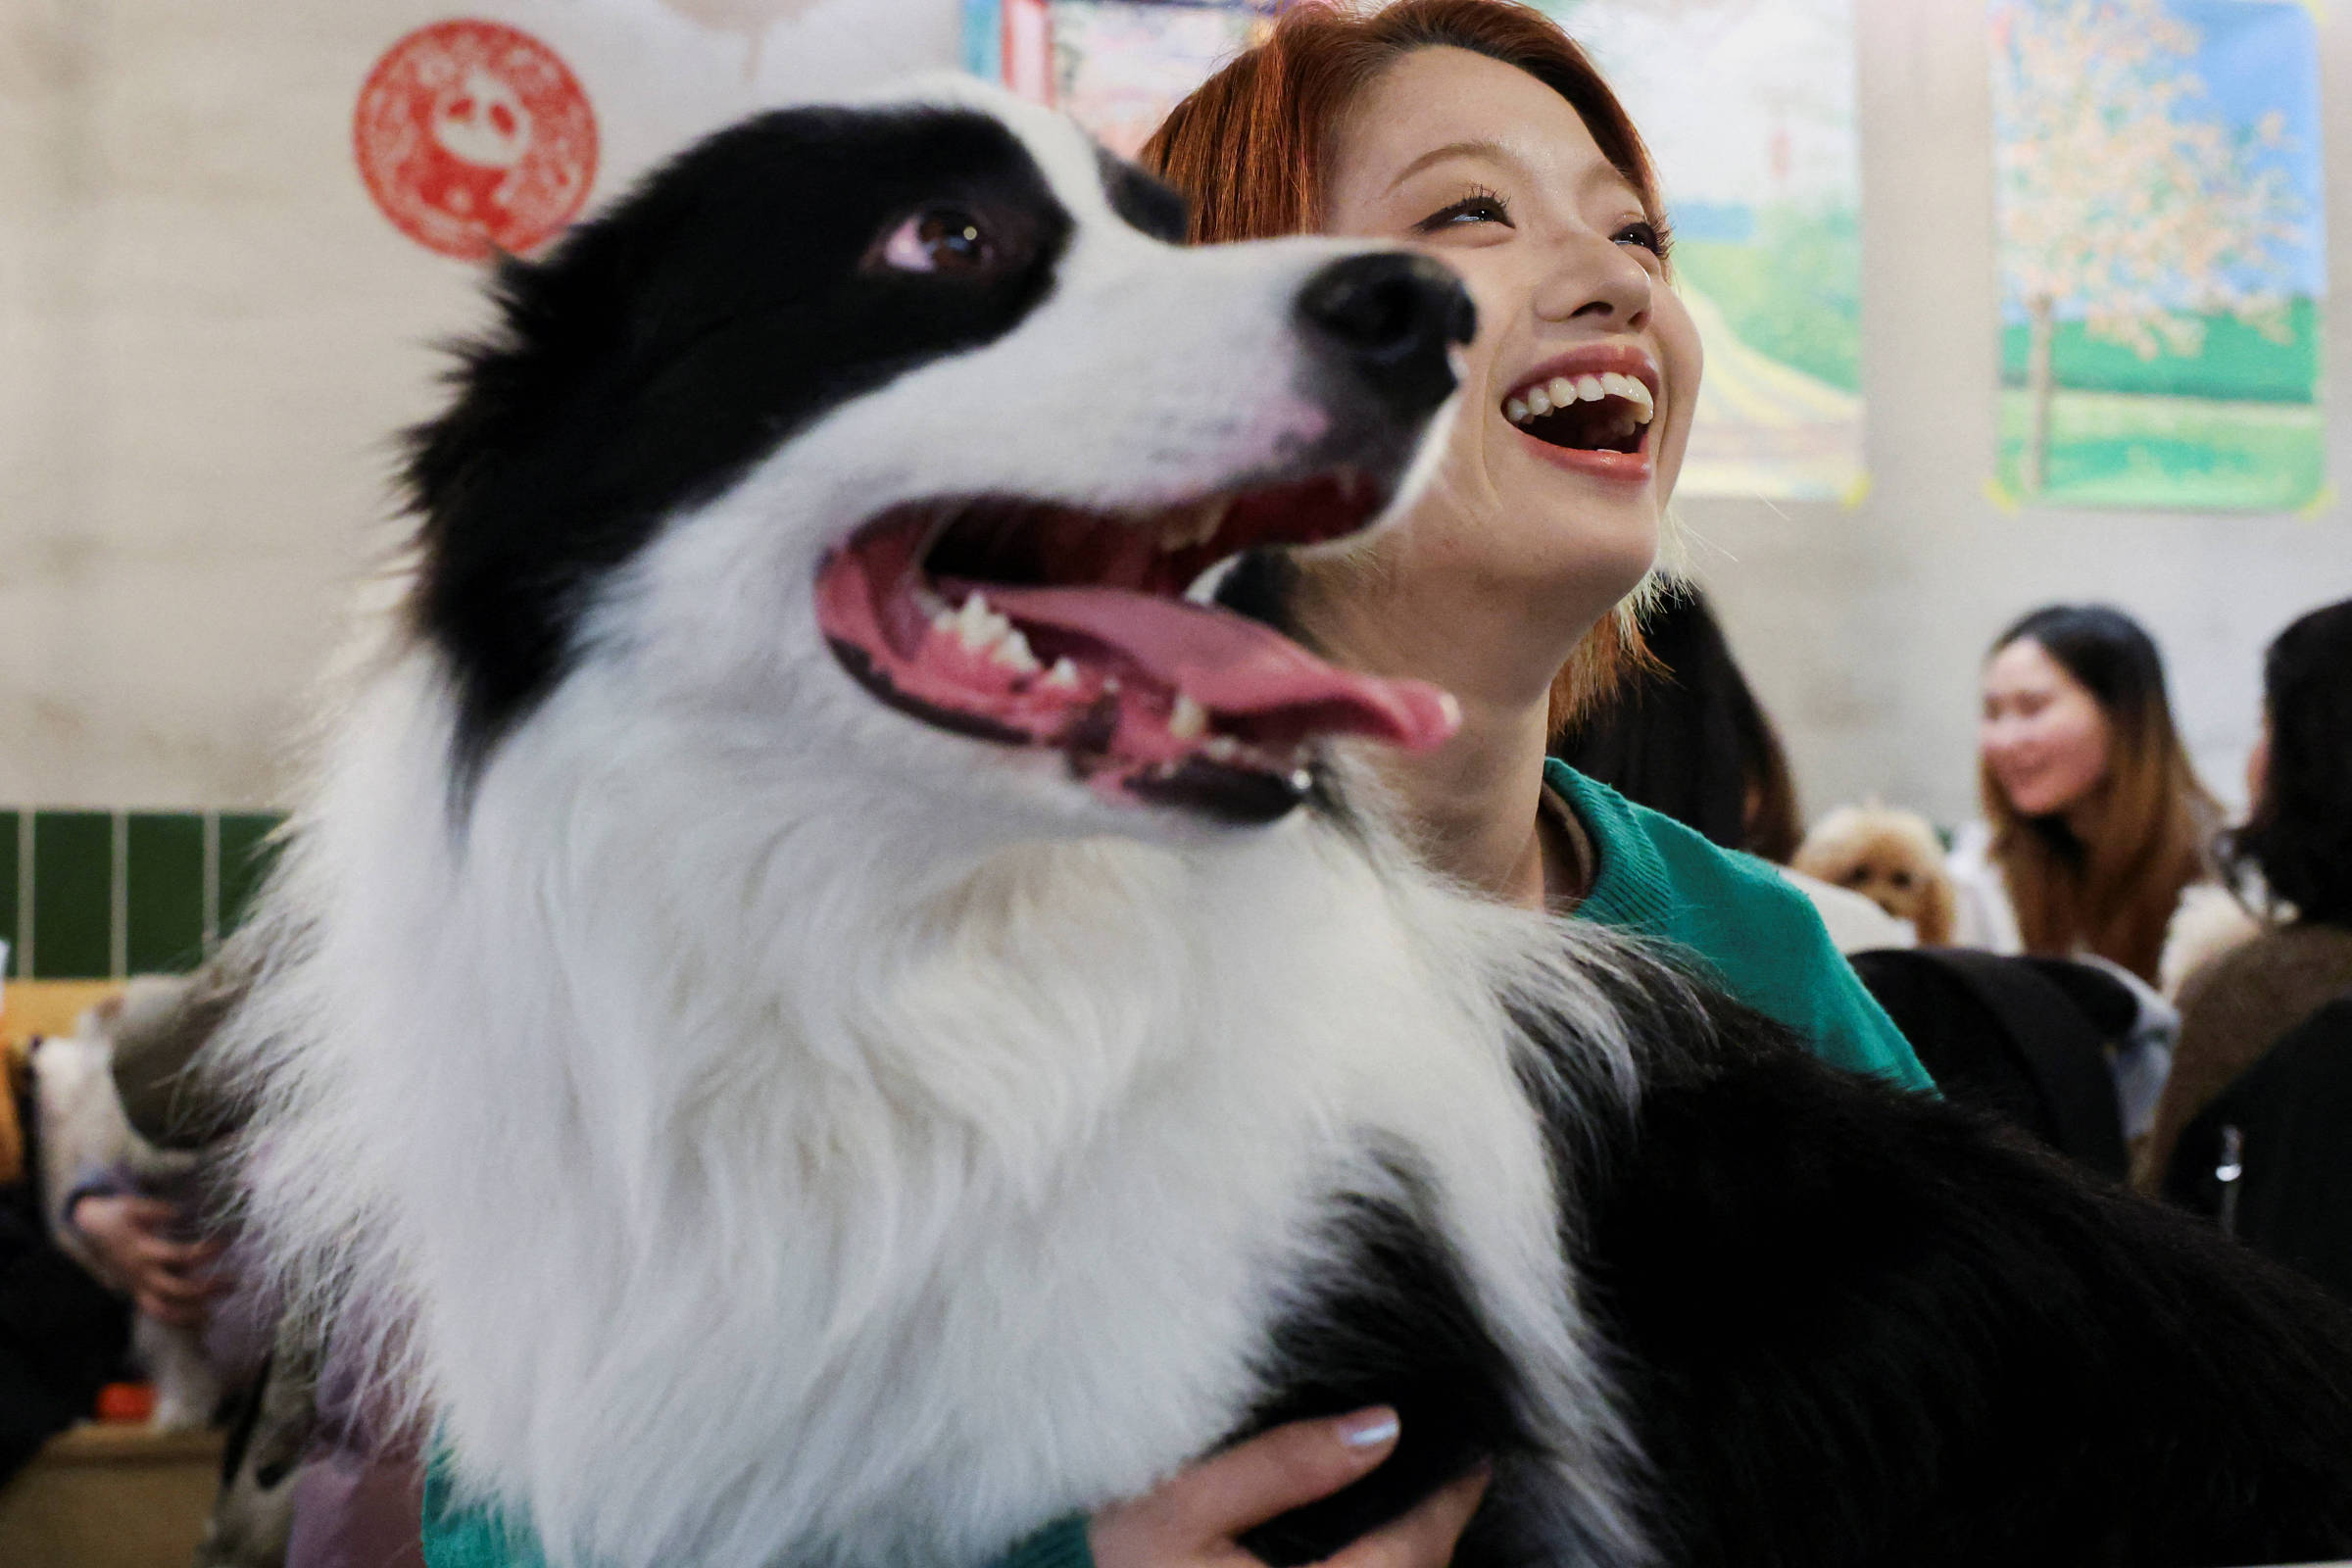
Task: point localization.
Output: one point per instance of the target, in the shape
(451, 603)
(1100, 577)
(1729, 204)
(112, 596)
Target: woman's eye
(1645, 235)
(1483, 208)
(943, 239)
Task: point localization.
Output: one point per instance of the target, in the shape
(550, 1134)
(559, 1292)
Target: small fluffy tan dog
(1889, 857)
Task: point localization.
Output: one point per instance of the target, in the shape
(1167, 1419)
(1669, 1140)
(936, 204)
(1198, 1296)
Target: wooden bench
(111, 1496)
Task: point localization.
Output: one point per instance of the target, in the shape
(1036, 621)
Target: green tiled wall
(12, 824)
(73, 893)
(94, 895)
(245, 855)
(163, 892)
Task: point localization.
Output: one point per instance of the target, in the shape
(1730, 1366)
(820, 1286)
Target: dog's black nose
(1390, 318)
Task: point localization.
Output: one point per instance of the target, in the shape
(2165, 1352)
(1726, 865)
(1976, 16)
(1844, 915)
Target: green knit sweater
(1749, 930)
(1748, 927)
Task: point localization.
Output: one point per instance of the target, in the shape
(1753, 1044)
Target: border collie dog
(847, 1008)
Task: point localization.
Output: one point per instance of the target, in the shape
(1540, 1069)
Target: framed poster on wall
(2162, 250)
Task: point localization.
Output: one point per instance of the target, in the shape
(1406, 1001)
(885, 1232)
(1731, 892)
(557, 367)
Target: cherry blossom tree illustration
(2121, 197)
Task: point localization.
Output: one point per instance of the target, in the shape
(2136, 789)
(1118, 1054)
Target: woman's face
(2043, 737)
(1496, 174)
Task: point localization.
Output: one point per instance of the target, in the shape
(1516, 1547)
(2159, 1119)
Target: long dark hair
(1687, 738)
(2300, 836)
(2115, 894)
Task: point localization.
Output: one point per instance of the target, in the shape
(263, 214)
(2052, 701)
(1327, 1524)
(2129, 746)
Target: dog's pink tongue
(1234, 666)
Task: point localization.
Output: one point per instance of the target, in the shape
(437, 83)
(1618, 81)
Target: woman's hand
(1191, 1519)
(170, 1281)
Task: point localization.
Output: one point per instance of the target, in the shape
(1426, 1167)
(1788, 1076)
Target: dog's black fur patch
(1861, 1326)
(644, 365)
(1398, 1327)
(1855, 1327)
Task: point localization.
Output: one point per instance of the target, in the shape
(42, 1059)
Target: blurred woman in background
(2297, 845)
(2095, 822)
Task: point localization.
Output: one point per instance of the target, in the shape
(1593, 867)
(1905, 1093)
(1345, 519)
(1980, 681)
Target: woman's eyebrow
(1453, 149)
(1605, 174)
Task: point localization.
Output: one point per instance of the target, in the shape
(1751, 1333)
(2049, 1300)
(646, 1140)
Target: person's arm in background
(135, 1241)
(138, 1244)
(1191, 1520)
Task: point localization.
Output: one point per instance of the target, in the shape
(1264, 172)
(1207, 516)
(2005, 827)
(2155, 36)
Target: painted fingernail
(1369, 1430)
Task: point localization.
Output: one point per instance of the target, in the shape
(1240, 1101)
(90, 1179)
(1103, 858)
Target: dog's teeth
(1187, 720)
(1012, 651)
(944, 623)
(1063, 677)
(1223, 748)
(978, 627)
(971, 620)
(1203, 522)
(1203, 588)
(1516, 411)
(1538, 401)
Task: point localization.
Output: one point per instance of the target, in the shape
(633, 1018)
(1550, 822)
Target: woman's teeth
(1539, 398)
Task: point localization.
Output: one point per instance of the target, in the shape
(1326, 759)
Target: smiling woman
(1478, 132)
(2096, 820)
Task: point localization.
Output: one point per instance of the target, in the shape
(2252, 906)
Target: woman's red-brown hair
(1248, 148)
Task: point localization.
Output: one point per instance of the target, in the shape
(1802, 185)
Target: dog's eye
(943, 239)
(1902, 879)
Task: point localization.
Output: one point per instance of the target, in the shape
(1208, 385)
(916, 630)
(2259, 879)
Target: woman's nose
(2000, 736)
(1595, 279)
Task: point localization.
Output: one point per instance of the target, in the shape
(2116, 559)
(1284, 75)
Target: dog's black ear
(1146, 201)
(489, 578)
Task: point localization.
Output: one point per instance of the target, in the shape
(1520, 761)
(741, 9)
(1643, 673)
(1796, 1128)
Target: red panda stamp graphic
(474, 137)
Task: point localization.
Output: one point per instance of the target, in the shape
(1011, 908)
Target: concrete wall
(207, 333)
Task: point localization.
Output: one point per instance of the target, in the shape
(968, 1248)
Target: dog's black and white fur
(788, 1129)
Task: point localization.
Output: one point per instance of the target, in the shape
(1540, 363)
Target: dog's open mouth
(1048, 626)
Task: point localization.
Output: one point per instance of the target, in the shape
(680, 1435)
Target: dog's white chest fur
(777, 1196)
